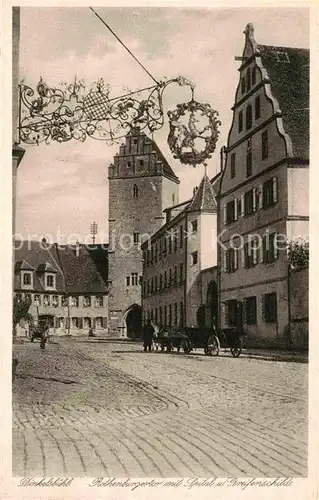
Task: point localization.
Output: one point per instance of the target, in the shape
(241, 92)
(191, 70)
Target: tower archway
(133, 321)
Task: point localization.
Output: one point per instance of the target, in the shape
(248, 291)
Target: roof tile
(288, 70)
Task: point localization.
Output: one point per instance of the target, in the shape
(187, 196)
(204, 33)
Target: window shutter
(263, 307)
(243, 256)
(80, 323)
(242, 205)
(225, 214)
(254, 200)
(235, 209)
(244, 309)
(264, 250)
(255, 252)
(260, 196)
(260, 251)
(225, 261)
(276, 250)
(236, 258)
(275, 191)
(104, 322)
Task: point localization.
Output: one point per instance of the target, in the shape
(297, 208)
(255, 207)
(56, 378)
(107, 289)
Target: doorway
(133, 319)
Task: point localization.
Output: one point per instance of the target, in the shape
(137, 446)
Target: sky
(62, 188)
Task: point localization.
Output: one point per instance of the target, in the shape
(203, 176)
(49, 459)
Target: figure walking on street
(148, 336)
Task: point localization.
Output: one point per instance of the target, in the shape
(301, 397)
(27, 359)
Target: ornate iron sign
(61, 114)
(68, 113)
(194, 131)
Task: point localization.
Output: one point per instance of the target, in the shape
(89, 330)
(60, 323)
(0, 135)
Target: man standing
(148, 336)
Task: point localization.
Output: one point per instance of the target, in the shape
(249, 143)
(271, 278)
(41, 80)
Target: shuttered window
(270, 305)
(270, 192)
(251, 310)
(231, 312)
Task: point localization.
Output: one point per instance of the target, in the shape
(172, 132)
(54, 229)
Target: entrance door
(134, 322)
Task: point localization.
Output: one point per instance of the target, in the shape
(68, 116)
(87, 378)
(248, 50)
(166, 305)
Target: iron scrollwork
(68, 113)
(61, 114)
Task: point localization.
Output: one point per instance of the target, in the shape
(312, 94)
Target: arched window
(243, 85)
(248, 77)
(135, 191)
(249, 117)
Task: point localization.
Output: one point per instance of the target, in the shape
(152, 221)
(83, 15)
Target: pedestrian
(91, 333)
(44, 335)
(148, 333)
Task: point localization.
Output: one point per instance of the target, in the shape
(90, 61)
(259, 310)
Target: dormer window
(50, 281)
(26, 279)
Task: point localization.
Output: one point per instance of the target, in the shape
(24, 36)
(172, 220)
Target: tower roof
(167, 169)
(204, 199)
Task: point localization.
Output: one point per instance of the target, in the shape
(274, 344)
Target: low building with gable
(67, 285)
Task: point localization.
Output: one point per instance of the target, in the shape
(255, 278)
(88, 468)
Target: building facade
(267, 160)
(141, 186)
(67, 286)
(179, 272)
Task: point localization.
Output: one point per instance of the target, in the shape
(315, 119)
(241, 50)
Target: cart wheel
(213, 346)
(236, 350)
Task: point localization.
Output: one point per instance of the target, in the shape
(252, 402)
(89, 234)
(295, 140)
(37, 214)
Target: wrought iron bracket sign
(66, 113)
(194, 131)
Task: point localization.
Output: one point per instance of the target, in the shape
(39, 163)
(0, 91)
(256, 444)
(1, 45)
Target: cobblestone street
(108, 409)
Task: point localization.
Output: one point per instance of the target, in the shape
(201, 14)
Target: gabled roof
(167, 169)
(204, 198)
(78, 270)
(288, 70)
(37, 253)
(46, 267)
(23, 265)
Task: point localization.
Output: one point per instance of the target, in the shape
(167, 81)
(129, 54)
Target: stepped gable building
(264, 190)
(68, 285)
(141, 186)
(180, 259)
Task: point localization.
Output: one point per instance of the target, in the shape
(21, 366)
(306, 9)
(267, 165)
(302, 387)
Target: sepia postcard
(156, 299)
